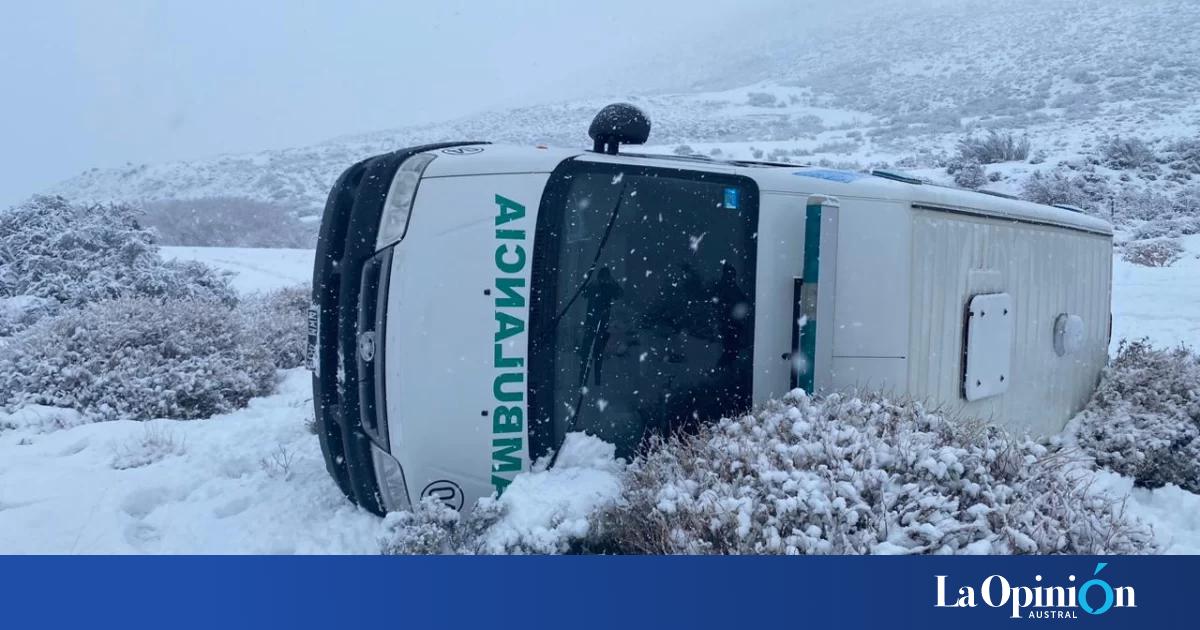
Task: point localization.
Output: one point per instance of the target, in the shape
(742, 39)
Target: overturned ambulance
(474, 303)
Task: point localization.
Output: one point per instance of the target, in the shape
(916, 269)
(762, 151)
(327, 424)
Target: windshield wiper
(587, 277)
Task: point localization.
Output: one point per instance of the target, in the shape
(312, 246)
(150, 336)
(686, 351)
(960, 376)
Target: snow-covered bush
(843, 147)
(1183, 157)
(1144, 420)
(860, 475)
(157, 442)
(1173, 227)
(1158, 252)
(136, 358)
(433, 528)
(970, 176)
(1126, 152)
(762, 99)
(996, 146)
(20, 311)
(1080, 185)
(816, 476)
(277, 324)
(228, 222)
(75, 254)
(1057, 187)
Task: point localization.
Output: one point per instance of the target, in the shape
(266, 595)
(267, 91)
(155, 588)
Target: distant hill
(887, 84)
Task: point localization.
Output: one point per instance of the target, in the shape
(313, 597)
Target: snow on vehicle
(474, 303)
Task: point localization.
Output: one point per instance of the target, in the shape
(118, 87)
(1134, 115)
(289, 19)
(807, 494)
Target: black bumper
(342, 278)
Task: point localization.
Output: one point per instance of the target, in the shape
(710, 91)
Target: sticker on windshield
(731, 198)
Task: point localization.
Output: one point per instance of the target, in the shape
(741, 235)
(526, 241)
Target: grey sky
(90, 83)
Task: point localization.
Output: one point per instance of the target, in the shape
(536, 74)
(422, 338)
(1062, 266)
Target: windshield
(643, 298)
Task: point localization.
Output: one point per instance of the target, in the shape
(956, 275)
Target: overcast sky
(90, 83)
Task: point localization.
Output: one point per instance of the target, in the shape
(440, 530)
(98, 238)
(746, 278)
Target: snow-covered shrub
(1061, 186)
(970, 176)
(20, 311)
(276, 323)
(1183, 156)
(136, 358)
(996, 146)
(432, 528)
(1159, 252)
(860, 475)
(76, 253)
(157, 442)
(228, 222)
(844, 147)
(761, 99)
(1173, 227)
(1144, 420)
(1126, 152)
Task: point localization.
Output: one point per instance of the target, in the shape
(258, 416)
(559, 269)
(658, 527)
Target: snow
(252, 481)
(544, 510)
(1162, 303)
(1172, 512)
(252, 269)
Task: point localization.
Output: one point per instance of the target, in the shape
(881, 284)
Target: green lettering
(512, 298)
(509, 210)
(507, 326)
(508, 419)
(502, 361)
(500, 483)
(510, 267)
(508, 378)
(505, 455)
(512, 235)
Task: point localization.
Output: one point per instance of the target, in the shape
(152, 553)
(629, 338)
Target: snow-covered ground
(1160, 303)
(252, 269)
(253, 481)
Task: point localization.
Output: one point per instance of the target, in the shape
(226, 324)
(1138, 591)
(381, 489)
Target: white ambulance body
(473, 303)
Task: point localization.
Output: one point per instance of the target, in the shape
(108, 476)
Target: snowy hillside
(817, 91)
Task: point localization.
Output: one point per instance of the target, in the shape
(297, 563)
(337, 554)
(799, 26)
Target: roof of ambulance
(771, 177)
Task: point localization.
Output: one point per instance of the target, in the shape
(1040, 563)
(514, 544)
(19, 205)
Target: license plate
(314, 336)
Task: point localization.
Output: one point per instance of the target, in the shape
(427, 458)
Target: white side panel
(780, 260)
(872, 279)
(443, 362)
(851, 374)
(1047, 271)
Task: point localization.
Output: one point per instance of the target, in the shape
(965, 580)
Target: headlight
(391, 481)
(398, 205)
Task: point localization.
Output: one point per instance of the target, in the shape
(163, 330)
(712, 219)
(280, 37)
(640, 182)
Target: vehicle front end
(420, 287)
